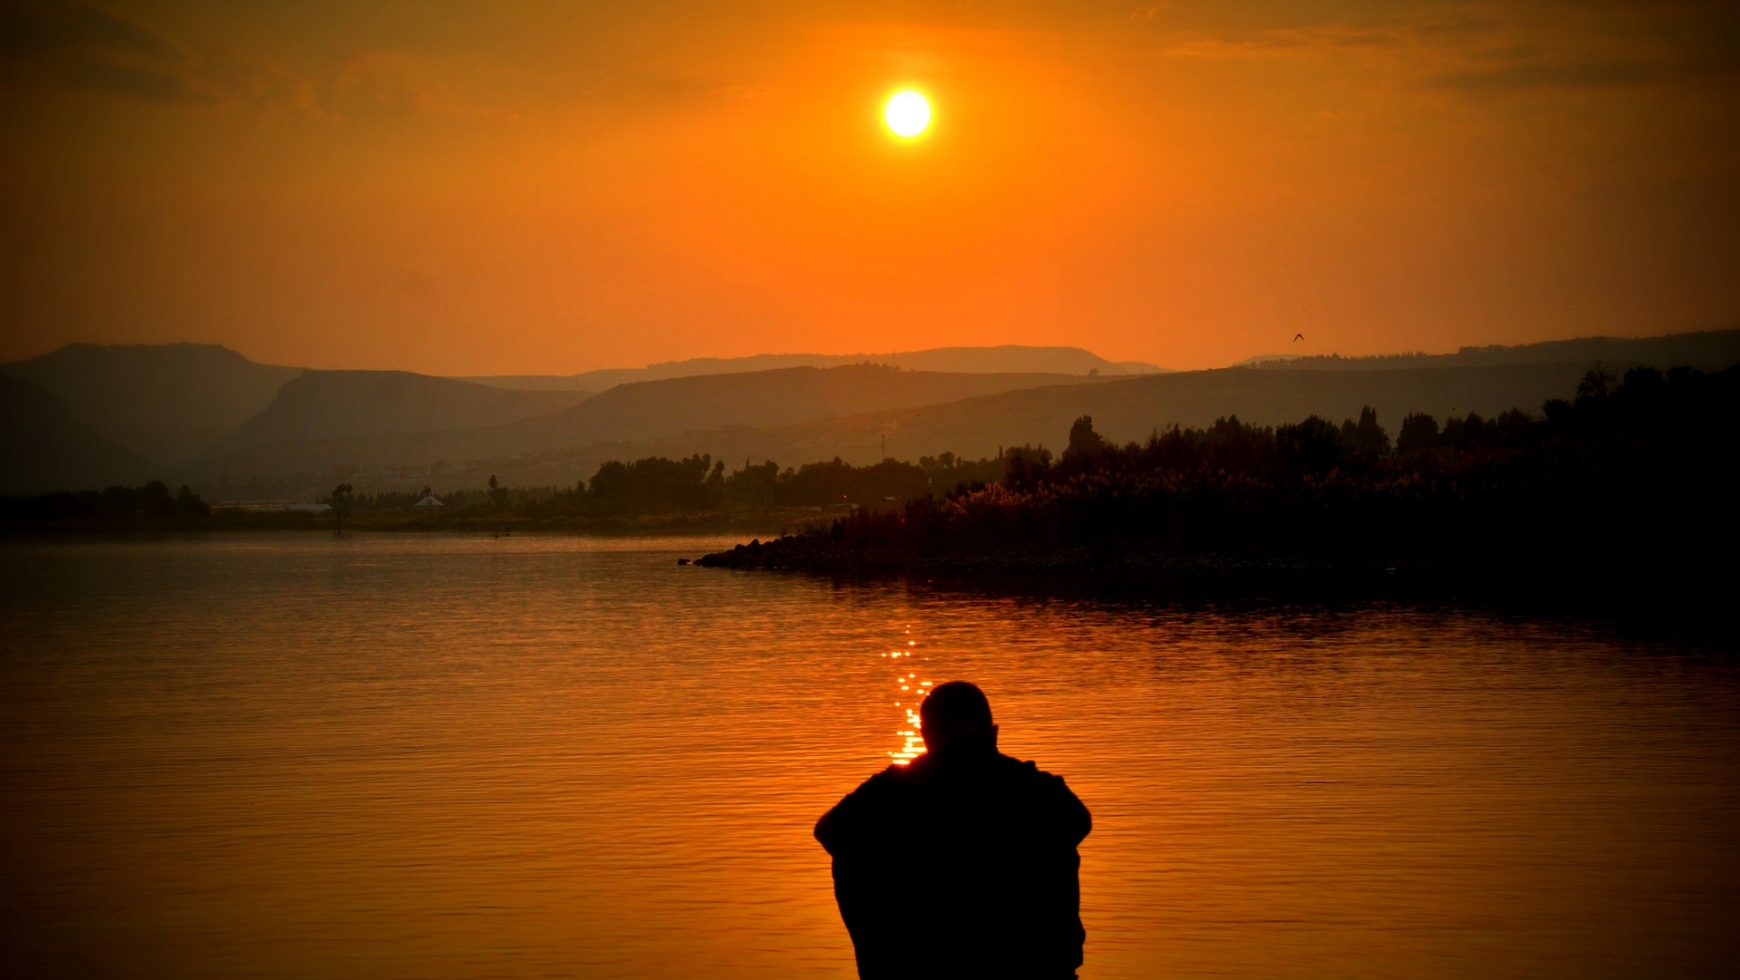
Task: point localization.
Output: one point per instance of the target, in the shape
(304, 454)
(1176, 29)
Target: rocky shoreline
(1091, 568)
(1621, 589)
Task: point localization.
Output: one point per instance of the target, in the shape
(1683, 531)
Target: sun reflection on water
(912, 692)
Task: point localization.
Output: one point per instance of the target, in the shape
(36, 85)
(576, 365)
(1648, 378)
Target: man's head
(956, 717)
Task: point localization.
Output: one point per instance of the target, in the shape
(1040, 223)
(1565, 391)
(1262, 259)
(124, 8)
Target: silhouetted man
(962, 864)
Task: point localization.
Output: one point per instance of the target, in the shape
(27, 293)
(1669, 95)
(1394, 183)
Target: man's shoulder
(889, 779)
(851, 820)
(923, 770)
(1036, 782)
(1028, 770)
(892, 774)
(1052, 795)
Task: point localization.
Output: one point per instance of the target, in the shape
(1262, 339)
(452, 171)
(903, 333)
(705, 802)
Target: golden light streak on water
(911, 742)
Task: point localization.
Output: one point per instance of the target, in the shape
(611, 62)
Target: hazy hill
(1123, 409)
(626, 413)
(321, 406)
(1130, 409)
(1007, 359)
(1707, 351)
(167, 403)
(43, 448)
(391, 429)
(763, 398)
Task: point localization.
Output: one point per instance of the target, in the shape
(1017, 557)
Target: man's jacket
(963, 866)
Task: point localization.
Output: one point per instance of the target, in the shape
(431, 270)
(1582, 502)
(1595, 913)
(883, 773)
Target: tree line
(1644, 440)
(1631, 468)
(700, 484)
(150, 504)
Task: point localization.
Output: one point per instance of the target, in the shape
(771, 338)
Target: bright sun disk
(907, 113)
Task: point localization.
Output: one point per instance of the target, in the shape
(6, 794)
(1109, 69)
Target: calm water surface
(409, 756)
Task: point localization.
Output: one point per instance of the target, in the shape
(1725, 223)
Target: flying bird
(1298, 337)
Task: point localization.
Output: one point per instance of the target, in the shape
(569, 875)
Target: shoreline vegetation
(1621, 490)
(654, 495)
(1620, 487)
(17, 519)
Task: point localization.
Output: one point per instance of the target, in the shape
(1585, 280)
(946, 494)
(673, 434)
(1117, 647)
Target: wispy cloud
(35, 27)
(1527, 76)
(1285, 42)
(69, 46)
(66, 44)
(1489, 50)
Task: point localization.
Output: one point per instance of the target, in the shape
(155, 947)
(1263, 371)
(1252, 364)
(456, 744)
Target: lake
(458, 756)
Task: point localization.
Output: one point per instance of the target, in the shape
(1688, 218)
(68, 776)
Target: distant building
(428, 503)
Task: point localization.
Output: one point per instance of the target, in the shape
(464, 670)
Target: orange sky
(469, 188)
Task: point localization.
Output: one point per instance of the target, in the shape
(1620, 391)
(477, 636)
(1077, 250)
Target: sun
(907, 113)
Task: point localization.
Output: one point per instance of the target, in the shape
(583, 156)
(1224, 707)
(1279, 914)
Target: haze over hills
(1006, 359)
(43, 447)
(1123, 409)
(169, 409)
(651, 409)
(319, 406)
(295, 433)
(548, 452)
(639, 411)
(167, 404)
(1709, 350)
(1131, 409)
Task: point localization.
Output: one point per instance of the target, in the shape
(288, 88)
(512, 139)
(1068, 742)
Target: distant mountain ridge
(1123, 410)
(87, 416)
(560, 451)
(43, 448)
(318, 406)
(169, 411)
(1707, 350)
(165, 403)
(1005, 359)
(628, 413)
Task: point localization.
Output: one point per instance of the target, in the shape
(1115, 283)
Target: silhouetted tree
(1596, 385)
(188, 504)
(1366, 437)
(1084, 442)
(1513, 427)
(753, 485)
(1312, 447)
(1419, 432)
(1025, 466)
(656, 483)
(1642, 383)
(1466, 433)
(1559, 413)
(340, 501)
